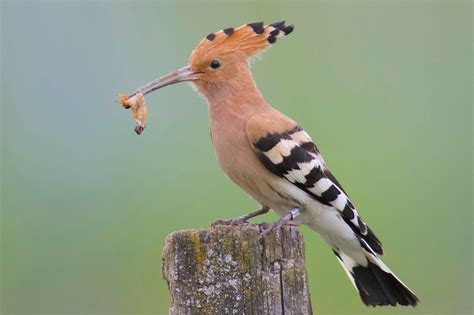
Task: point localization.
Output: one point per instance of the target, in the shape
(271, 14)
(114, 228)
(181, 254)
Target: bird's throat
(240, 96)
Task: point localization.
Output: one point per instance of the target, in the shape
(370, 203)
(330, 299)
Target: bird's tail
(376, 284)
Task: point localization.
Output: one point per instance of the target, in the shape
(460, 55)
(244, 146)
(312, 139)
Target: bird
(274, 160)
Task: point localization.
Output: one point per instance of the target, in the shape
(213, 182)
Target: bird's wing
(287, 151)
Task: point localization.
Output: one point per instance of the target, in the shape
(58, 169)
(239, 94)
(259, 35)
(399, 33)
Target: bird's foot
(234, 222)
(243, 220)
(265, 228)
(287, 219)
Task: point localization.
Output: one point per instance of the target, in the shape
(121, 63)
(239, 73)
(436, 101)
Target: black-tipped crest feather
(257, 27)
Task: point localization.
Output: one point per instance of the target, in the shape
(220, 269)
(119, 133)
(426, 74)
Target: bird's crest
(249, 38)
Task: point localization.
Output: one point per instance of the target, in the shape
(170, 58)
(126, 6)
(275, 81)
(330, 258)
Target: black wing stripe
(334, 180)
(314, 175)
(290, 162)
(267, 143)
(310, 147)
(331, 193)
(348, 212)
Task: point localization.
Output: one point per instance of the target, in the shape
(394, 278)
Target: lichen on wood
(231, 270)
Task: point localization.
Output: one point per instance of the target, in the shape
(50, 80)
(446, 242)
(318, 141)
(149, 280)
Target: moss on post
(231, 270)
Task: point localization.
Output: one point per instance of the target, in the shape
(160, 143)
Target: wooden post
(231, 270)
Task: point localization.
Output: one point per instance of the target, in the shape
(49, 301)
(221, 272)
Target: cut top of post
(232, 270)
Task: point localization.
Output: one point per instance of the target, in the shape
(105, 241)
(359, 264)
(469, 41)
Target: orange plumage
(249, 39)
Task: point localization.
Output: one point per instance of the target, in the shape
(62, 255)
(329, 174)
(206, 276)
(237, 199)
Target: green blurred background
(383, 87)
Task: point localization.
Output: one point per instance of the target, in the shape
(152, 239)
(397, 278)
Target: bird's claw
(233, 222)
(266, 228)
(287, 219)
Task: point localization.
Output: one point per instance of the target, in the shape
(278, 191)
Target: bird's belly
(263, 189)
(266, 188)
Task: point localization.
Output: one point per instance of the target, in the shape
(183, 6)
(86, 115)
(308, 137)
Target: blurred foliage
(384, 87)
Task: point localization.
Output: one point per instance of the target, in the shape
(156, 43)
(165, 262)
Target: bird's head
(222, 58)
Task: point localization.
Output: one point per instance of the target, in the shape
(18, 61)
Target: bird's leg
(243, 219)
(283, 220)
(294, 223)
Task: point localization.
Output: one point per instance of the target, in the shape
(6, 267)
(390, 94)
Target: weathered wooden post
(231, 270)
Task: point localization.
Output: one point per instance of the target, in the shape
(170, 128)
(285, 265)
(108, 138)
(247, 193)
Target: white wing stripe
(321, 186)
(281, 150)
(298, 175)
(300, 136)
(340, 202)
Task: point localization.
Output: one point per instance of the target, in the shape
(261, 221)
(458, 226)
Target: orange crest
(249, 38)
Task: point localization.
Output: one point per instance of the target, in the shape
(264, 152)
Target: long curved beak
(180, 75)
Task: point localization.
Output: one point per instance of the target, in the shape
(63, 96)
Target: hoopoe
(275, 161)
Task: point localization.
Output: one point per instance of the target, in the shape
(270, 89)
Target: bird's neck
(239, 96)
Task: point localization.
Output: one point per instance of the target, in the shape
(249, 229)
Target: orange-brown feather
(271, 121)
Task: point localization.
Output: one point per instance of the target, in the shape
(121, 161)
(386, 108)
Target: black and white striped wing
(294, 156)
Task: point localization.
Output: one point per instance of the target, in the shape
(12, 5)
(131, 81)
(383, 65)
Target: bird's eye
(215, 64)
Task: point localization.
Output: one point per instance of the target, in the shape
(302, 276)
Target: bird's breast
(233, 151)
(239, 162)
